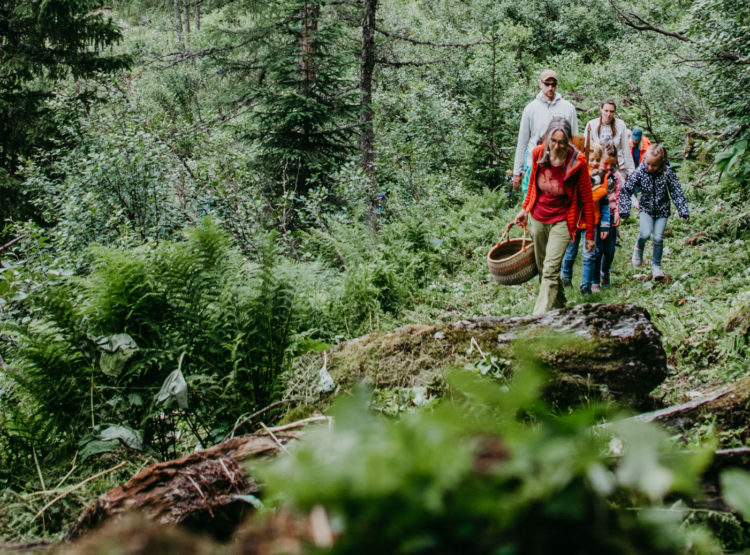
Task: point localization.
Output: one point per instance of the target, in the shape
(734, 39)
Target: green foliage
(44, 41)
(194, 298)
(734, 163)
(735, 484)
(482, 471)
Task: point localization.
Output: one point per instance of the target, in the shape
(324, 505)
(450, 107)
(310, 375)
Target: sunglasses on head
(550, 83)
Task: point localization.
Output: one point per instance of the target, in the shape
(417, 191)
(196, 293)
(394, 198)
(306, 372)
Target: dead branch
(12, 242)
(631, 20)
(396, 63)
(71, 489)
(406, 38)
(247, 419)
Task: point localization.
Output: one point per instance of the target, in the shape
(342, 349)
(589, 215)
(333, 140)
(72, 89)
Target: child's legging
(652, 226)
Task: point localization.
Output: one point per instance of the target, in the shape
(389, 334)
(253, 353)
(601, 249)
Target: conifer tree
(308, 108)
(41, 42)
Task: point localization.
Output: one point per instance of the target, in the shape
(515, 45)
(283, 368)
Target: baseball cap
(548, 74)
(637, 133)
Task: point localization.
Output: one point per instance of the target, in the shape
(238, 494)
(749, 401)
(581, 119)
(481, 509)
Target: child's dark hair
(609, 150)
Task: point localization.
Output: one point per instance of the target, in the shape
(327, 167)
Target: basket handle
(506, 233)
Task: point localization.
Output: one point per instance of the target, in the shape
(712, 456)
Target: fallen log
(202, 491)
(614, 352)
(728, 407)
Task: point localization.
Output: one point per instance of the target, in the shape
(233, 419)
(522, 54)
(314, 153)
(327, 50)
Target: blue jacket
(656, 190)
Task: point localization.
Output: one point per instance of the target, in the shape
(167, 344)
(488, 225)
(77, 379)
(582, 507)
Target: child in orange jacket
(601, 227)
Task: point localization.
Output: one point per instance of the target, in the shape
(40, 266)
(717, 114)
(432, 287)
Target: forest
(244, 284)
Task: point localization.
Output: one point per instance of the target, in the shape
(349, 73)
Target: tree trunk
(178, 22)
(198, 15)
(366, 132)
(186, 7)
(310, 14)
(201, 491)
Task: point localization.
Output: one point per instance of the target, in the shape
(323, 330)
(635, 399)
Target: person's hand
(590, 243)
(521, 218)
(617, 220)
(603, 235)
(516, 182)
(687, 220)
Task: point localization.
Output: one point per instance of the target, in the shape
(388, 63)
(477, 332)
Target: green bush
(193, 304)
(491, 471)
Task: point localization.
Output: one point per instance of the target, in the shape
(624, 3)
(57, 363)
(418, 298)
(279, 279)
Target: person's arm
(604, 221)
(614, 200)
(678, 197)
(524, 131)
(573, 119)
(627, 190)
(624, 147)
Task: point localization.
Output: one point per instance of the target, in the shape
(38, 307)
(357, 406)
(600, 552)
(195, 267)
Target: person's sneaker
(657, 273)
(595, 288)
(585, 291)
(566, 282)
(605, 281)
(637, 257)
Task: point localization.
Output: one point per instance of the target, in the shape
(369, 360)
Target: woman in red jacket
(561, 191)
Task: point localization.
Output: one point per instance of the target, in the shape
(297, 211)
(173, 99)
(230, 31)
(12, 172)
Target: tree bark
(186, 7)
(178, 22)
(310, 14)
(367, 132)
(199, 490)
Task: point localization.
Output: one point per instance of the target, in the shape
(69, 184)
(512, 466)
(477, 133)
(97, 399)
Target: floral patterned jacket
(656, 191)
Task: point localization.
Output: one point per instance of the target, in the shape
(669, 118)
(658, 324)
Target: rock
(611, 352)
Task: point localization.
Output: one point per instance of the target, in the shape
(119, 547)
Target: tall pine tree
(308, 109)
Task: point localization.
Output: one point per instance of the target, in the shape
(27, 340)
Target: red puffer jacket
(577, 185)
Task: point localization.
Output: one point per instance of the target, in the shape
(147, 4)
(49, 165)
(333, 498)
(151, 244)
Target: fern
(196, 296)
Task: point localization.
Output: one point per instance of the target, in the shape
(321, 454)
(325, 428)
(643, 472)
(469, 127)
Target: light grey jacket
(621, 140)
(535, 120)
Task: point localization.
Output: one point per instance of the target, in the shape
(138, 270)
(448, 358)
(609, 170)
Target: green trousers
(550, 242)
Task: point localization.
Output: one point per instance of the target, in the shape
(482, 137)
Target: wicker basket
(512, 261)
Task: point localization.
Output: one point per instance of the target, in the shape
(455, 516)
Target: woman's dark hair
(611, 123)
(557, 124)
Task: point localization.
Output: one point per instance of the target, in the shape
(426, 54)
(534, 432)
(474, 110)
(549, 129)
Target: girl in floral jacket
(658, 185)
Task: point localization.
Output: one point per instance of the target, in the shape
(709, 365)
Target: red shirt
(552, 201)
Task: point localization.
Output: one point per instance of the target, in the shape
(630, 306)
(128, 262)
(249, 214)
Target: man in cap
(535, 120)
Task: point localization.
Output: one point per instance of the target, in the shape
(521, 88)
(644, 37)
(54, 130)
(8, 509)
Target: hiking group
(573, 192)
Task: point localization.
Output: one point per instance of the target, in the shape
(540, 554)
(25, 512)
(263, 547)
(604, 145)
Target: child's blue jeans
(652, 226)
(589, 260)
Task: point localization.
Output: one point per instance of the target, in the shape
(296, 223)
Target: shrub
(192, 304)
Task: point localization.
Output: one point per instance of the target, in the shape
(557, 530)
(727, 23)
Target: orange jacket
(577, 184)
(596, 195)
(645, 143)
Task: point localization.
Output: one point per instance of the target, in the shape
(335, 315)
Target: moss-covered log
(728, 408)
(613, 352)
